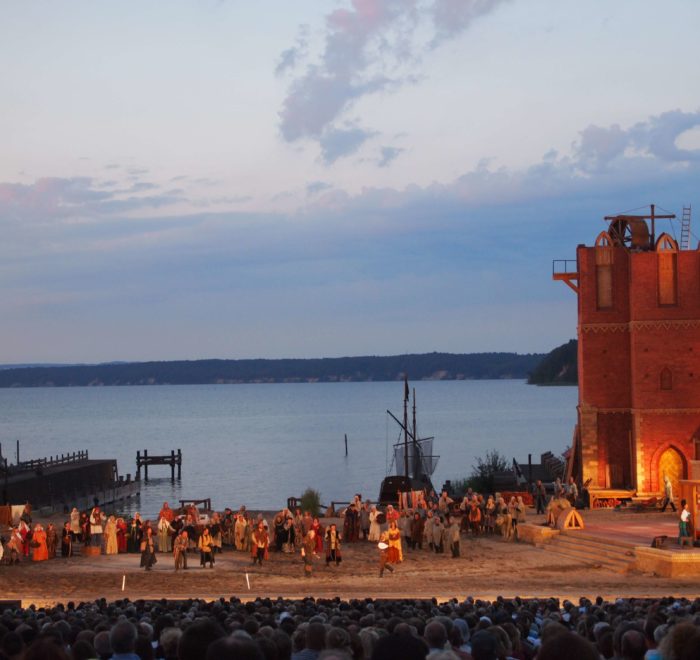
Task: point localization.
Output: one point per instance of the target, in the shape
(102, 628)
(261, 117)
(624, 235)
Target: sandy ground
(487, 568)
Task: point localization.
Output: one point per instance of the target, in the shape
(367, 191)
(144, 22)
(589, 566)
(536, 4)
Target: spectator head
(605, 643)
(338, 638)
(197, 638)
(334, 654)
(284, 644)
(368, 637)
(672, 644)
(169, 639)
(435, 635)
(233, 648)
(82, 650)
(12, 644)
(102, 646)
(567, 645)
(46, 649)
(143, 648)
(634, 645)
(483, 646)
(316, 636)
(399, 647)
(122, 637)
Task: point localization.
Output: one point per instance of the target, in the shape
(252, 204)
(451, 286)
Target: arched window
(666, 379)
(667, 254)
(603, 270)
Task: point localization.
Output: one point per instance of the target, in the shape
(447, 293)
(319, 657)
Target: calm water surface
(260, 444)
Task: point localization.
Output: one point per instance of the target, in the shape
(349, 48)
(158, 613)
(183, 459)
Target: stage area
(487, 568)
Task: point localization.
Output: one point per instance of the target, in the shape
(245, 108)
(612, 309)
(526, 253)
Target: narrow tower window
(667, 254)
(603, 271)
(666, 379)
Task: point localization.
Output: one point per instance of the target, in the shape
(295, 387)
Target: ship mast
(416, 454)
(405, 425)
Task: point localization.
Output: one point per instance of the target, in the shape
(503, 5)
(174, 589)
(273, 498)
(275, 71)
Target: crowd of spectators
(332, 629)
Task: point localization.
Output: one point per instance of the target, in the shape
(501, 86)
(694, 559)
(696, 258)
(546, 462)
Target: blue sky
(235, 179)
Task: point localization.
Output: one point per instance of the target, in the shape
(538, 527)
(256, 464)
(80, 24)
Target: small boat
(412, 458)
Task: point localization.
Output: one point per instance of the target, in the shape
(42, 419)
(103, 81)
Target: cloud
(656, 137)
(451, 17)
(372, 46)
(659, 135)
(388, 155)
(316, 187)
(366, 261)
(338, 142)
(290, 57)
(54, 198)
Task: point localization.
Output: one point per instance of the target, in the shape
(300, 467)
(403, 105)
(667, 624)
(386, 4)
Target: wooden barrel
(90, 551)
(381, 518)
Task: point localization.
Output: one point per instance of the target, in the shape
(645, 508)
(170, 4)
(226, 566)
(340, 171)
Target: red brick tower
(638, 356)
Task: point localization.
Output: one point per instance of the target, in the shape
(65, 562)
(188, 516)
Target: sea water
(260, 444)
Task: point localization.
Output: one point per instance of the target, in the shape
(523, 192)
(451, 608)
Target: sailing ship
(412, 457)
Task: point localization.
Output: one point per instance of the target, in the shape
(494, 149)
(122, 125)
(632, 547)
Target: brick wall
(639, 368)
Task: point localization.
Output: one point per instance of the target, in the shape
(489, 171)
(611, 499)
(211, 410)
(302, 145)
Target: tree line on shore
(426, 366)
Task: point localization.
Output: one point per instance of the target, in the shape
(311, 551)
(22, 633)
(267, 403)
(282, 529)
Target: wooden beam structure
(174, 459)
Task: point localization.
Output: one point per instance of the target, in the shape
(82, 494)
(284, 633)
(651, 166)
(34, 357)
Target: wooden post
(346, 444)
(145, 464)
(179, 463)
(172, 465)
(138, 465)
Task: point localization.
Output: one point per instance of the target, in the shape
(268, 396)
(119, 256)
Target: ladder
(685, 228)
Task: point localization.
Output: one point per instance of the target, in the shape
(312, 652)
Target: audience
(332, 629)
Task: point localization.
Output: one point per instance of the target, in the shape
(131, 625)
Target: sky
(229, 179)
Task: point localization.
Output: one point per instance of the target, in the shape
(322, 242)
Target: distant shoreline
(417, 367)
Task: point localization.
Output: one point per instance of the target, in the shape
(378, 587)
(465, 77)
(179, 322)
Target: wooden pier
(206, 504)
(173, 459)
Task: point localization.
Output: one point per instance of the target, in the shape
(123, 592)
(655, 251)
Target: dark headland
(426, 366)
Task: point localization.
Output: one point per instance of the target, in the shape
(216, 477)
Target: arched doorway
(671, 465)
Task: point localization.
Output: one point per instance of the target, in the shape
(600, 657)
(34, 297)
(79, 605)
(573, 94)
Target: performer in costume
(111, 545)
(166, 512)
(318, 530)
(308, 552)
(216, 533)
(333, 538)
(75, 524)
(393, 539)
(66, 540)
(180, 550)
(239, 529)
(148, 550)
(259, 544)
(51, 540)
(164, 531)
(668, 495)
(417, 531)
(384, 557)
(15, 546)
(133, 543)
(205, 545)
(122, 533)
(96, 528)
(685, 524)
(38, 543)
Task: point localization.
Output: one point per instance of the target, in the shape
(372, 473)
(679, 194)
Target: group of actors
(420, 521)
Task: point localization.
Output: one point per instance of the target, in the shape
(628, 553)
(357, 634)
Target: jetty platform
(65, 480)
